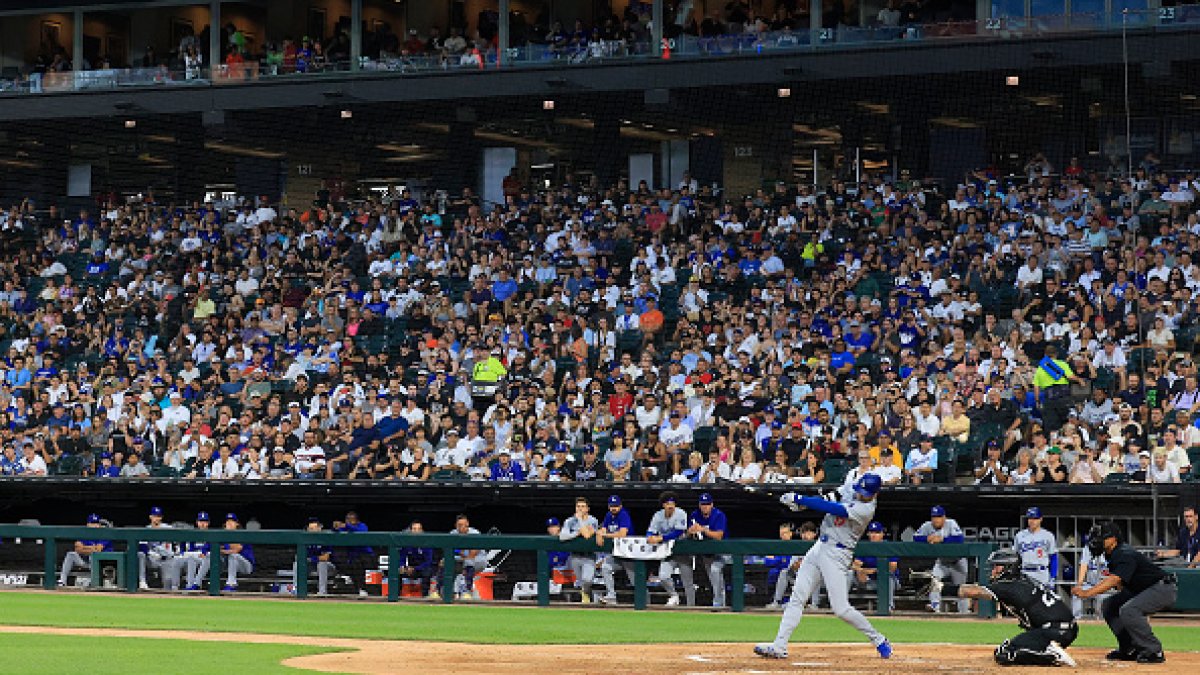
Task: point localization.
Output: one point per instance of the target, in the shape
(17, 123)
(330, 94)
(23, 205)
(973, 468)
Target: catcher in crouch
(1048, 622)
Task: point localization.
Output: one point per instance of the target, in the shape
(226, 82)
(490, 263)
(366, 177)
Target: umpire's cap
(868, 485)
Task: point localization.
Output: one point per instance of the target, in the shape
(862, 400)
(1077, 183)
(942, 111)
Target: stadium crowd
(1014, 330)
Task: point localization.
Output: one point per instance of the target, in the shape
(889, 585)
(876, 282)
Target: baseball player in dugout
(617, 524)
(1048, 624)
(581, 524)
(942, 530)
(1142, 588)
(1037, 548)
(708, 522)
(669, 523)
(829, 560)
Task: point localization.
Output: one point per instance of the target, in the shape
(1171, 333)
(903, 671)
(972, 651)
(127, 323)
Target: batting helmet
(868, 485)
(1009, 560)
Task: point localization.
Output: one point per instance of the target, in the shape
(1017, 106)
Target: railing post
(639, 584)
(883, 585)
(50, 576)
(543, 577)
(301, 576)
(738, 580)
(132, 577)
(447, 575)
(393, 573)
(214, 569)
(987, 608)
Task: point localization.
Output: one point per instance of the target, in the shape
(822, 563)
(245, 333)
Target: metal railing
(685, 47)
(447, 544)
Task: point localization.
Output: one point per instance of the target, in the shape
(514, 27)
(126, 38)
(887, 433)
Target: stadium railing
(999, 29)
(447, 544)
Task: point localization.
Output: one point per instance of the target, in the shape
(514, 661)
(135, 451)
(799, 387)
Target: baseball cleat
(774, 606)
(1119, 655)
(885, 649)
(1061, 655)
(143, 586)
(228, 588)
(931, 607)
(608, 599)
(1148, 657)
(192, 587)
(673, 601)
(768, 650)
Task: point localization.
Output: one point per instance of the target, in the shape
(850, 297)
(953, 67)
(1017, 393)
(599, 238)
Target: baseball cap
(614, 500)
(233, 517)
(202, 516)
(875, 526)
(93, 518)
(552, 522)
(156, 510)
(706, 498)
(1033, 512)
(926, 438)
(937, 511)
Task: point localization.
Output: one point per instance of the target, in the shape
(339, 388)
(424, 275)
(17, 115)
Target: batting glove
(788, 499)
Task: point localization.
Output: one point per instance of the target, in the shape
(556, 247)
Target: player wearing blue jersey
(419, 563)
(238, 558)
(616, 524)
(1038, 549)
(320, 560)
(829, 560)
(669, 524)
(942, 530)
(709, 522)
(195, 554)
(81, 554)
(864, 571)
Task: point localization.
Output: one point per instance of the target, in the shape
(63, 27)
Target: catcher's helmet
(1009, 560)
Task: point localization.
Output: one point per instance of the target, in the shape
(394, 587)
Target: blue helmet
(868, 485)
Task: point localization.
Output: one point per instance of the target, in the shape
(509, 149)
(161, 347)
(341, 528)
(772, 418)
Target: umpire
(1145, 589)
(1052, 385)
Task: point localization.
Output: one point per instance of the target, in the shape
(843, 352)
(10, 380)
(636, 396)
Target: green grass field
(493, 624)
(37, 654)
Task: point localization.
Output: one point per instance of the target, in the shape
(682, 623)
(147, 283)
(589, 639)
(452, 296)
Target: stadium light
(1012, 80)
(130, 124)
(548, 104)
(347, 114)
(784, 92)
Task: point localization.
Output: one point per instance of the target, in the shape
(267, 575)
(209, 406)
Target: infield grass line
(484, 624)
(26, 654)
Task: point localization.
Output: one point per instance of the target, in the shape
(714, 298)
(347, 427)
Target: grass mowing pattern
(507, 625)
(56, 654)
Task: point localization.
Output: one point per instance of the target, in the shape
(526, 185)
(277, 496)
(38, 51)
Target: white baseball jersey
(1035, 549)
(948, 530)
(571, 527)
(839, 534)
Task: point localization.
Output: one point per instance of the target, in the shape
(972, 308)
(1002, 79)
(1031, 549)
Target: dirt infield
(375, 657)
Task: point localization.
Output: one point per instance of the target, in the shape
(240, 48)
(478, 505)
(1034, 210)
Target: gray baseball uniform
(1038, 551)
(582, 564)
(670, 528)
(954, 568)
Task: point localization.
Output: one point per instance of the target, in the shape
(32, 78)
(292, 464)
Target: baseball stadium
(583, 336)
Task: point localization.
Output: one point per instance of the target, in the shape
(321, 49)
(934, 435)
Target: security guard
(489, 369)
(1144, 589)
(1052, 384)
